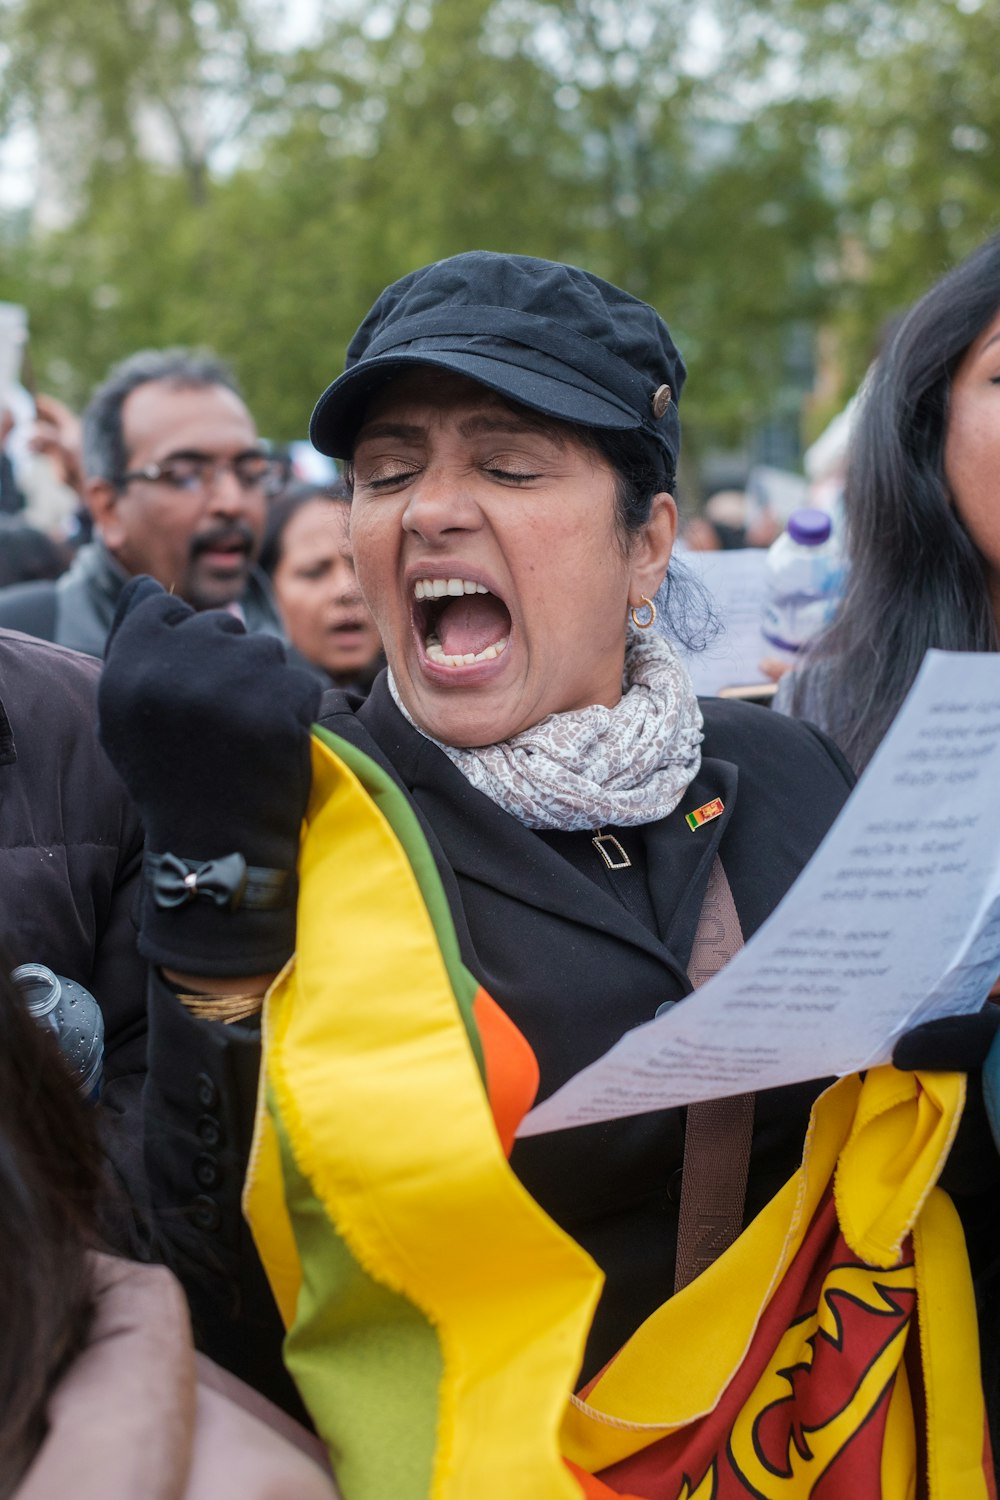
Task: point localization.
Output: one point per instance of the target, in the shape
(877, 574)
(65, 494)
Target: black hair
(283, 508)
(683, 603)
(638, 468)
(104, 455)
(916, 578)
(49, 1182)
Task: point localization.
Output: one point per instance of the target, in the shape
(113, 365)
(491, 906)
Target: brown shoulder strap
(718, 1133)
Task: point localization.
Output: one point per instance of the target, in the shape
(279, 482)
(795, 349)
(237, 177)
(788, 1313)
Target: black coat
(71, 858)
(573, 968)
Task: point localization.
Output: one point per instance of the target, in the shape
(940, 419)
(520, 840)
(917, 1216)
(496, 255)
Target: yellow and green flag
(436, 1317)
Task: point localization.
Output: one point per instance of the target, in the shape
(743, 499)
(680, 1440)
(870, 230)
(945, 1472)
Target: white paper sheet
(736, 582)
(895, 920)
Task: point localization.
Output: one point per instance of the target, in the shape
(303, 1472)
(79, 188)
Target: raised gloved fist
(209, 729)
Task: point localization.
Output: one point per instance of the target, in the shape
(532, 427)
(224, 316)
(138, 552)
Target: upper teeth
(437, 588)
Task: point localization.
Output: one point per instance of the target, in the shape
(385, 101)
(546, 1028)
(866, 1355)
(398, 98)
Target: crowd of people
(404, 769)
(173, 481)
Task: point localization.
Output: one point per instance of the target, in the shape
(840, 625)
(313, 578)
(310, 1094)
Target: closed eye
(386, 478)
(509, 476)
(512, 467)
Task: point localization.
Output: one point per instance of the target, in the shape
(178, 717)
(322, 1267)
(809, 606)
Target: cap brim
(340, 410)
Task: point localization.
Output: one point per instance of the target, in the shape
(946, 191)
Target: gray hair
(104, 455)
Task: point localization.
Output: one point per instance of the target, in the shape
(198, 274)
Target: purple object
(809, 527)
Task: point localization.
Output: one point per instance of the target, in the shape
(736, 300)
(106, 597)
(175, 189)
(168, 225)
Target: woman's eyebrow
(483, 422)
(407, 432)
(475, 425)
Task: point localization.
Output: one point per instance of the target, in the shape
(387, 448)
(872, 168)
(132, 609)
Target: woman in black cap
(511, 432)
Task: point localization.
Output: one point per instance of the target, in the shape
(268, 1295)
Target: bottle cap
(809, 527)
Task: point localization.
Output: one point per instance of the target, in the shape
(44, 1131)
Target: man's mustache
(231, 537)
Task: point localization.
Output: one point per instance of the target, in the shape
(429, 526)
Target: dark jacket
(572, 965)
(77, 609)
(71, 853)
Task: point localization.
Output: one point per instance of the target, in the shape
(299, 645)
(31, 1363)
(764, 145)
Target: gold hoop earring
(644, 603)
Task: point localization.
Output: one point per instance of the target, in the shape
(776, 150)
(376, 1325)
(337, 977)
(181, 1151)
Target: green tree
(902, 98)
(124, 81)
(575, 129)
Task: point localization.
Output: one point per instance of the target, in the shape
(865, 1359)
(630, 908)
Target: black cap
(552, 337)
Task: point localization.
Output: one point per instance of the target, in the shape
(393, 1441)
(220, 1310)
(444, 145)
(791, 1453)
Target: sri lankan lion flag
(436, 1317)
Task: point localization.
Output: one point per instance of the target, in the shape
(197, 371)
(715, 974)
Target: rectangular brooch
(705, 813)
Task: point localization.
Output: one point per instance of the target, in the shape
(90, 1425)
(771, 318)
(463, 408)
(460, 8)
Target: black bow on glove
(175, 882)
(209, 729)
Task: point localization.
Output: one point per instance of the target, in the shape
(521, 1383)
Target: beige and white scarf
(624, 766)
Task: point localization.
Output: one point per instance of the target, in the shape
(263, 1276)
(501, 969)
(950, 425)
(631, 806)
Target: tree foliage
(817, 164)
(904, 100)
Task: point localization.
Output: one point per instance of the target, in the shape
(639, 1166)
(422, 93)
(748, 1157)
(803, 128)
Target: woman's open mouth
(459, 621)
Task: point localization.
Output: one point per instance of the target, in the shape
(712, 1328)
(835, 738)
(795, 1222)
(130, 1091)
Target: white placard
(735, 580)
(895, 920)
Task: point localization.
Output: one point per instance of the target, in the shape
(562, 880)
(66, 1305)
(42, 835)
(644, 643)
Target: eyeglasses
(196, 474)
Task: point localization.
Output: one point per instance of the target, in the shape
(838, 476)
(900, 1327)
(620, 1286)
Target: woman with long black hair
(923, 518)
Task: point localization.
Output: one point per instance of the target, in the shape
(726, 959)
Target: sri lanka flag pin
(705, 813)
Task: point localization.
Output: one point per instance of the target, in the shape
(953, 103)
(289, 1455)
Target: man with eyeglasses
(177, 482)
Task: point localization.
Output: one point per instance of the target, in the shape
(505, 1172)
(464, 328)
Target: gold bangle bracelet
(224, 1008)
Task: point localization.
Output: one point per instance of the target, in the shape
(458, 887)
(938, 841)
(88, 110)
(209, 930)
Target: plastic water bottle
(804, 580)
(74, 1017)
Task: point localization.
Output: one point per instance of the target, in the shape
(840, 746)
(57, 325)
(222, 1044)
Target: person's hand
(951, 1044)
(57, 433)
(208, 727)
(960, 1044)
(774, 668)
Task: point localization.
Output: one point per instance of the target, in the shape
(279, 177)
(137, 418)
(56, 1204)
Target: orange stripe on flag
(511, 1067)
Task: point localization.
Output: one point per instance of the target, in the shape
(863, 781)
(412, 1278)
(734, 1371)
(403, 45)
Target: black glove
(951, 1044)
(208, 727)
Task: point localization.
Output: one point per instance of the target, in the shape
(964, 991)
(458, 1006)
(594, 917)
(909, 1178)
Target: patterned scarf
(624, 766)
